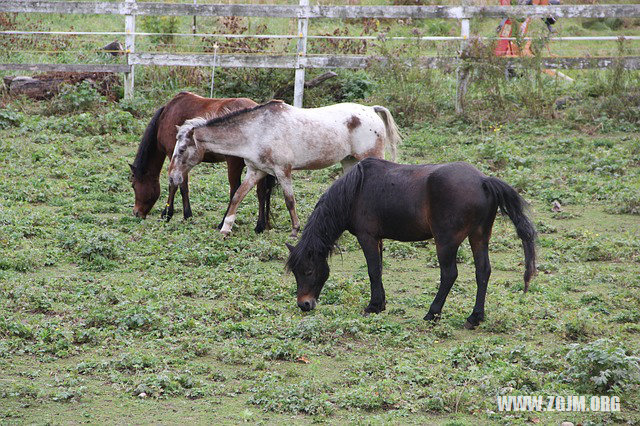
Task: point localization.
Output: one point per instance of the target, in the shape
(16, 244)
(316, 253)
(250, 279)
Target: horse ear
(290, 247)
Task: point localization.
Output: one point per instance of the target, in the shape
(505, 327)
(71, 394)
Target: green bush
(167, 25)
(306, 397)
(76, 98)
(10, 118)
(602, 366)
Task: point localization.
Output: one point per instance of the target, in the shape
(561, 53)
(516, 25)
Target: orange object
(506, 47)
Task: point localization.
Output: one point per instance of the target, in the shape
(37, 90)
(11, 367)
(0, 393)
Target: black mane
(147, 145)
(329, 218)
(225, 118)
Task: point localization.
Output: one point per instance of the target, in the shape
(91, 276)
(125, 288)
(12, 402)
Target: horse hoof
(432, 317)
(469, 326)
(225, 234)
(188, 215)
(373, 310)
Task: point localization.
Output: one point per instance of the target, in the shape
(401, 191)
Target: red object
(504, 46)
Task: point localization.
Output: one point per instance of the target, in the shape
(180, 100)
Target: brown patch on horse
(377, 151)
(266, 156)
(353, 123)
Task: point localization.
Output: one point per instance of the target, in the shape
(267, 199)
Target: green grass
(98, 308)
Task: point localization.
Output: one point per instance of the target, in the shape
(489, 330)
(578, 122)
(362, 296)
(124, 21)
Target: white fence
(303, 12)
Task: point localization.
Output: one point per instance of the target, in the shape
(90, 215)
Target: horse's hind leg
(479, 242)
(184, 192)
(448, 273)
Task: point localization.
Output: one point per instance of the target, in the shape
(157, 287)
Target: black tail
(514, 206)
(147, 144)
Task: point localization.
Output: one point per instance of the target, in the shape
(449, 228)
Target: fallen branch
(281, 92)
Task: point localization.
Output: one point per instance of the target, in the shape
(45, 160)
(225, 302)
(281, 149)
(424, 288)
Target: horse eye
(308, 272)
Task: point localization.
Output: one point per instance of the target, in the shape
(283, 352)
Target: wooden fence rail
(303, 12)
(306, 11)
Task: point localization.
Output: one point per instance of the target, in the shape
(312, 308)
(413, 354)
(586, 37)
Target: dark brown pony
(159, 141)
(378, 199)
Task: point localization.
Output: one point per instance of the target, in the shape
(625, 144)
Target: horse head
(311, 272)
(146, 190)
(187, 152)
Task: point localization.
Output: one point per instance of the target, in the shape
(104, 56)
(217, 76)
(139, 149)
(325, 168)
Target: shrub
(10, 118)
(306, 397)
(602, 366)
(410, 92)
(168, 25)
(81, 97)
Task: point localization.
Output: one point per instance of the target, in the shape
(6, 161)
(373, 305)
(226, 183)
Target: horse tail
(393, 134)
(147, 144)
(514, 206)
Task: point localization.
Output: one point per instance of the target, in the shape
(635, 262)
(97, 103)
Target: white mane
(189, 125)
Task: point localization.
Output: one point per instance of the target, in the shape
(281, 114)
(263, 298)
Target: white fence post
(298, 88)
(463, 69)
(130, 47)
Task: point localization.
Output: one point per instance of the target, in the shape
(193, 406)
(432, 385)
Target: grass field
(104, 317)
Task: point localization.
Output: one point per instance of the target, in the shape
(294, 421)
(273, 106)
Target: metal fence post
(130, 47)
(463, 69)
(298, 88)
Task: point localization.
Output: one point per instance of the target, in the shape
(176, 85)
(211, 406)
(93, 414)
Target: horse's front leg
(372, 248)
(184, 192)
(235, 166)
(287, 188)
(167, 213)
(250, 180)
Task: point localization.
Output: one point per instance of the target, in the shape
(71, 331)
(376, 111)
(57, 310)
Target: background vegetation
(105, 317)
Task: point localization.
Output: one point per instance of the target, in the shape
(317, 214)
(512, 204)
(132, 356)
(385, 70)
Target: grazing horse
(378, 199)
(276, 138)
(158, 142)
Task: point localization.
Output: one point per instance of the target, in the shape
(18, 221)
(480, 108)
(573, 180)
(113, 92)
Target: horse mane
(329, 218)
(188, 126)
(147, 144)
(231, 115)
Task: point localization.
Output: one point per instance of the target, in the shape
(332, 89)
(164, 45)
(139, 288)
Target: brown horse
(159, 141)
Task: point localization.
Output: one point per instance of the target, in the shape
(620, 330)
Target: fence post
(463, 69)
(130, 47)
(298, 87)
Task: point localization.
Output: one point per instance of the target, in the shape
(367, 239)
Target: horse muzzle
(138, 213)
(175, 179)
(307, 303)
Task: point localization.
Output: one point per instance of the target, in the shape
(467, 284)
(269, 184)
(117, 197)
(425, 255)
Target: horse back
(186, 105)
(417, 202)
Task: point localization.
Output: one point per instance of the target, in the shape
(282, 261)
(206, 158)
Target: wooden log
(47, 85)
(286, 90)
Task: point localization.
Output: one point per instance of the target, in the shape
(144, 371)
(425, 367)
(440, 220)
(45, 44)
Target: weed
(81, 97)
(602, 366)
